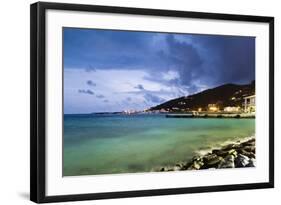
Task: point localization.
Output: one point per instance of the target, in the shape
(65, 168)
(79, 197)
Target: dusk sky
(107, 71)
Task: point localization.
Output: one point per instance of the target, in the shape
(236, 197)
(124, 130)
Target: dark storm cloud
(184, 56)
(100, 96)
(106, 49)
(153, 98)
(89, 92)
(208, 60)
(139, 86)
(91, 83)
(211, 60)
(233, 58)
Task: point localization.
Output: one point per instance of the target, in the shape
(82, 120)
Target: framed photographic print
(129, 102)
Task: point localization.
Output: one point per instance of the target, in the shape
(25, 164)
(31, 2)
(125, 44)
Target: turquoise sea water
(108, 144)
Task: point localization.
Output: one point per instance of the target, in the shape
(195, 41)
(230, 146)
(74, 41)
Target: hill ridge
(225, 95)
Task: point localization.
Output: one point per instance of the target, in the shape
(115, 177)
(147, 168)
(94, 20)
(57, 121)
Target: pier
(211, 115)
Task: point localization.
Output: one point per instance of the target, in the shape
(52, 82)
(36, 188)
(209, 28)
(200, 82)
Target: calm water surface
(108, 144)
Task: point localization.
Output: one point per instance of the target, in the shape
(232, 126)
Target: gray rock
(224, 153)
(177, 168)
(252, 163)
(181, 165)
(197, 158)
(231, 146)
(166, 169)
(220, 152)
(187, 165)
(232, 152)
(209, 157)
(169, 169)
(250, 149)
(241, 161)
(212, 162)
(228, 162)
(248, 154)
(228, 147)
(249, 143)
(252, 140)
(229, 158)
(196, 165)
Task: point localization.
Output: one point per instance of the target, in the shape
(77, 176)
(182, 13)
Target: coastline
(237, 154)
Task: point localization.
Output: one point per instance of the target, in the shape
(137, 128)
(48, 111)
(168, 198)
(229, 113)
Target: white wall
(14, 103)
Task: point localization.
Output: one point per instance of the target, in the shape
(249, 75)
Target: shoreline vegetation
(232, 155)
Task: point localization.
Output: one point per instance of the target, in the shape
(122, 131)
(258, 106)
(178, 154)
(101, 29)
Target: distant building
(250, 103)
(213, 108)
(231, 109)
(163, 110)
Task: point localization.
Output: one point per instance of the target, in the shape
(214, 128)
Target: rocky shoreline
(234, 155)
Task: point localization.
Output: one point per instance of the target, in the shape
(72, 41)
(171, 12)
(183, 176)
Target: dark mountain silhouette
(223, 96)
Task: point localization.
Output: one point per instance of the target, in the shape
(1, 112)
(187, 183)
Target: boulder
(209, 157)
(230, 156)
(169, 169)
(197, 158)
(232, 152)
(241, 161)
(187, 165)
(231, 146)
(212, 162)
(227, 162)
(248, 154)
(166, 169)
(220, 152)
(253, 140)
(228, 147)
(196, 165)
(224, 153)
(249, 143)
(177, 168)
(180, 165)
(250, 149)
(252, 163)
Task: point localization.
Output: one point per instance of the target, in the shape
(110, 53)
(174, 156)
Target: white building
(231, 109)
(213, 108)
(250, 103)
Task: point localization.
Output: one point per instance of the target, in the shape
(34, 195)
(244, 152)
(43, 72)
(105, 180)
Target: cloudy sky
(106, 71)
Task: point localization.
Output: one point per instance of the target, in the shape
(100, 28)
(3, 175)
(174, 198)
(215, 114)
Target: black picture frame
(38, 97)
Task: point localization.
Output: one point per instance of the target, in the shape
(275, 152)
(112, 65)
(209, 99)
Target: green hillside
(222, 96)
